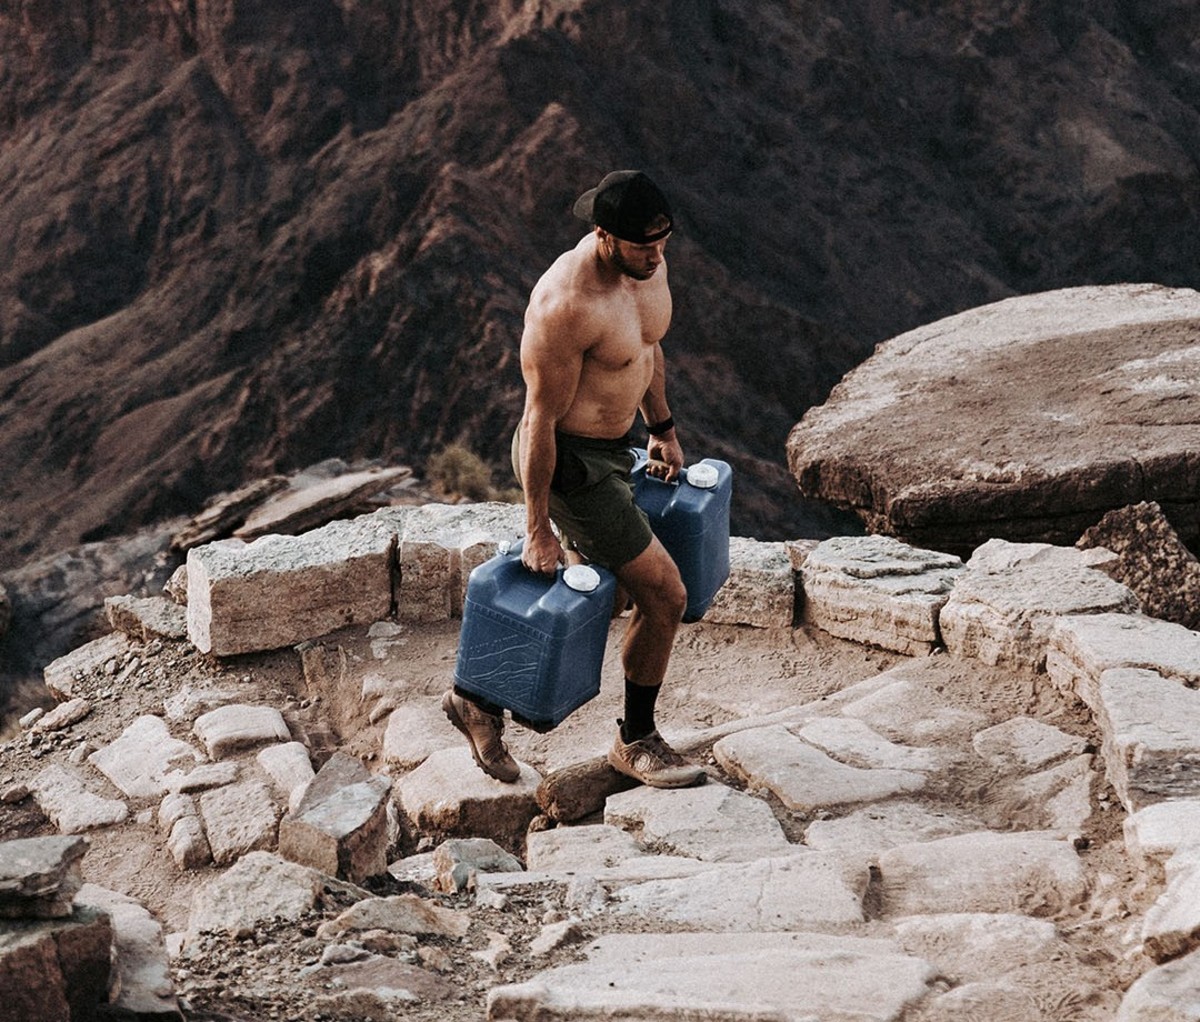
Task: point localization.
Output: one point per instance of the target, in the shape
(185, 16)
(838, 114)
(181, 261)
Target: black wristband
(659, 428)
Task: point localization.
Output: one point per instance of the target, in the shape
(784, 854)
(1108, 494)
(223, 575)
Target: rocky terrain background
(242, 237)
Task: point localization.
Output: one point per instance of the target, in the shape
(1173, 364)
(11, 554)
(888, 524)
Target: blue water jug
(691, 519)
(532, 643)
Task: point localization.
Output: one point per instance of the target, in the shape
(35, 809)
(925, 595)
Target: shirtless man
(592, 358)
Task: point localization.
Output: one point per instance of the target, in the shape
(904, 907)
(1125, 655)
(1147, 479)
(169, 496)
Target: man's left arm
(663, 444)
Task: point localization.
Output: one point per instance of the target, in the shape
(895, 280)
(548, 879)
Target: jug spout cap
(703, 477)
(582, 578)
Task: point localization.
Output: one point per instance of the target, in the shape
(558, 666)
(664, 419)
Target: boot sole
(692, 781)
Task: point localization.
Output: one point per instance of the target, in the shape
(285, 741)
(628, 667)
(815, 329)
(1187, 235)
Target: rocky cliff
(241, 237)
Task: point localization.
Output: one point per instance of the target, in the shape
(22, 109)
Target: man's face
(637, 261)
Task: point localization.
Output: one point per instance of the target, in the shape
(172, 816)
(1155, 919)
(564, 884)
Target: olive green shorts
(591, 498)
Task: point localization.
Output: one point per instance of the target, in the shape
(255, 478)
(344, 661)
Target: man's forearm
(538, 456)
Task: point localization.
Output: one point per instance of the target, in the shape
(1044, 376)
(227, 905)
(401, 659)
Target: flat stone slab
(733, 977)
(1083, 647)
(1009, 597)
(1151, 728)
(1024, 873)
(290, 769)
(1166, 994)
(801, 776)
(62, 674)
(238, 819)
(139, 760)
(413, 733)
(61, 795)
(583, 849)
(400, 913)
(1155, 833)
(975, 426)
(878, 591)
(146, 617)
(761, 588)
(903, 704)
(231, 729)
(713, 822)
(977, 946)
(1023, 743)
(257, 888)
(853, 741)
(867, 832)
(780, 894)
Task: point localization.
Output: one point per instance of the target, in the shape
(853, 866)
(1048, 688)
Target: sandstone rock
(56, 970)
(1151, 560)
(553, 936)
(973, 946)
(898, 704)
(852, 741)
(146, 618)
(792, 892)
(188, 844)
(1003, 608)
(760, 590)
(1151, 728)
(1026, 873)
(449, 796)
(257, 888)
(1023, 743)
(340, 824)
(414, 732)
(585, 848)
(866, 832)
(63, 715)
(61, 675)
(143, 986)
(460, 860)
(298, 507)
(379, 987)
(61, 795)
(1083, 647)
(39, 876)
(225, 512)
(289, 767)
(231, 729)
(440, 545)
(175, 807)
(1057, 800)
(1171, 927)
(974, 427)
(279, 590)
(735, 976)
(1155, 833)
(1166, 994)
(713, 822)
(401, 913)
(140, 758)
(878, 591)
(202, 777)
(238, 819)
(802, 777)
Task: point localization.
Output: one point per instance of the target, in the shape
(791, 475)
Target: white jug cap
(703, 476)
(582, 578)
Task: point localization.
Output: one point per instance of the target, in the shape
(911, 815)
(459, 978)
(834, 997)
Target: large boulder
(1026, 419)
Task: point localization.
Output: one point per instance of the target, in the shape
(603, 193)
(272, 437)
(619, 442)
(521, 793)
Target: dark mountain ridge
(242, 237)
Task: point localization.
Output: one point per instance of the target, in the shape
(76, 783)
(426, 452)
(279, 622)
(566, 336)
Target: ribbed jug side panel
(501, 658)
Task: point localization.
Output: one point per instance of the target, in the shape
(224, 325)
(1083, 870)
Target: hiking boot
(483, 731)
(653, 762)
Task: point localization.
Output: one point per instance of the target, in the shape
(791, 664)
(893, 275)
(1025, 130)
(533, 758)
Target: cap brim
(585, 205)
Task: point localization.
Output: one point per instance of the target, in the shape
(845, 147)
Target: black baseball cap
(626, 203)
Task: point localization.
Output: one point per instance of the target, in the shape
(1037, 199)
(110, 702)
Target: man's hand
(666, 457)
(542, 552)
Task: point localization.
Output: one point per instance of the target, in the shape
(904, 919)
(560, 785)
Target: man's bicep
(552, 364)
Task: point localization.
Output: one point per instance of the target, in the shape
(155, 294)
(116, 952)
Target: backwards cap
(626, 203)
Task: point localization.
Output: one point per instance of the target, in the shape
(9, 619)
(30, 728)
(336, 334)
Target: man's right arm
(551, 362)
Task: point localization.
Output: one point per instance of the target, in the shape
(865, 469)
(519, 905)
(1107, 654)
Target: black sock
(639, 711)
(479, 701)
